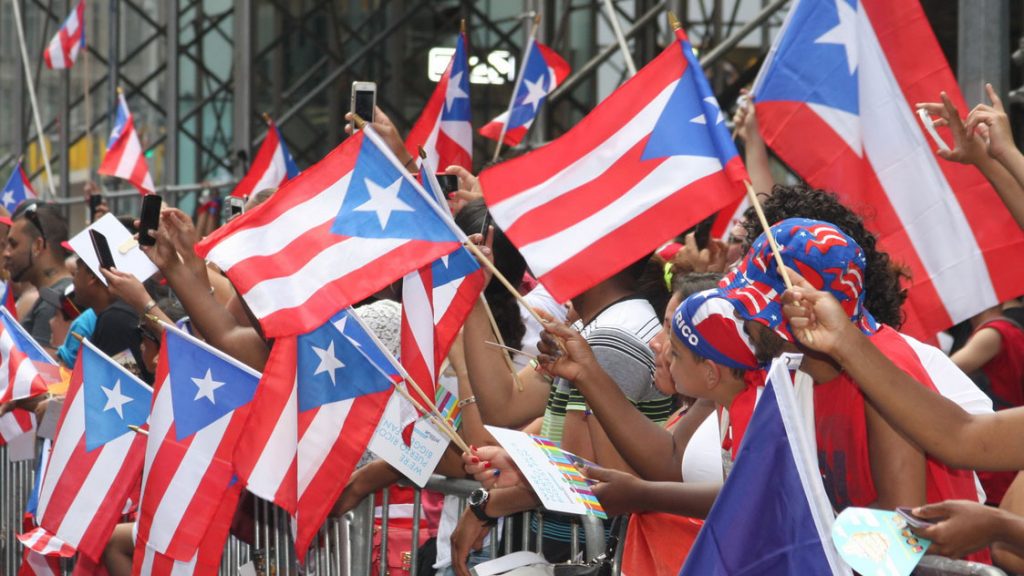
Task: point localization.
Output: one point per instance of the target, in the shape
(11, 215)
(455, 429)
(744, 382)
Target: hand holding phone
(149, 219)
(102, 248)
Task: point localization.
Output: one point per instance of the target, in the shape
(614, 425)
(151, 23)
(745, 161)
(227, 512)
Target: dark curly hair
(509, 261)
(884, 293)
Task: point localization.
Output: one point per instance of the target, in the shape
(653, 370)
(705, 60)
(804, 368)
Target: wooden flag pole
(32, 99)
(515, 87)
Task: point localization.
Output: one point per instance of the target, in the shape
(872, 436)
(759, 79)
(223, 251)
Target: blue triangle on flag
(452, 267)
(114, 399)
(691, 124)
(764, 484)
(205, 387)
(813, 60)
(332, 368)
(459, 109)
(381, 202)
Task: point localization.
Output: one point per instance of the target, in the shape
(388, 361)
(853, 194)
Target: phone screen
(149, 219)
(364, 104)
(449, 183)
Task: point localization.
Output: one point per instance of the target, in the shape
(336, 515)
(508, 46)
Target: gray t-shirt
(37, 321)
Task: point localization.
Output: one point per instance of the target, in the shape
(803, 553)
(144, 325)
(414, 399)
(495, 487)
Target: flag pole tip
(266, 118)
(462, 26)
(120, 91)
(673, 21)
(536, 19)
(358, 121)
(423, 153)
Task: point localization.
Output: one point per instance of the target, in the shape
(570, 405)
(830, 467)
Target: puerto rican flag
(125, 157)
(16, 423)
(835, 101)
(26, 370)
(650, 161)
(207, 561)
(199, 411)
(319, 402)
(543, 71)
(63, 49)
(272, 166)
(17, 190)
(444, 128)
(96, 459)
(336, 234)
(436, 300)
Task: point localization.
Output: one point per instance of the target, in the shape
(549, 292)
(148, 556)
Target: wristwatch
(478, 503)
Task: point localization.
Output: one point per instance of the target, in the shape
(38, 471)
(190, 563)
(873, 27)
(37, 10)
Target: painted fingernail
(474, 460)
(497, 473)
(473, 448)
(487, 464)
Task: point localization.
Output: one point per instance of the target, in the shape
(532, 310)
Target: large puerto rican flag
(199, 411)
(835, 101)
(444, 129)
(650, 161)
(272, 165)
(342, 230)
(318, 404)
(96, 459)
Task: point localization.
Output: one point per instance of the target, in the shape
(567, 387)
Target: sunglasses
(32, 216)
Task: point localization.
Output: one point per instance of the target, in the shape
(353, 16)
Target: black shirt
(117, 331)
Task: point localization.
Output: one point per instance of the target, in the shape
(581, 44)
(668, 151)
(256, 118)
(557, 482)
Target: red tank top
(1005, 371)
(842, 435)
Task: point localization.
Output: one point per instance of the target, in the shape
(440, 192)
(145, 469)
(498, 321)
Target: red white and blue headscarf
(820, 252)
(707, 324)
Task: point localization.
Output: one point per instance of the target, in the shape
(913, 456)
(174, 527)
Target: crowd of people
(652, 374)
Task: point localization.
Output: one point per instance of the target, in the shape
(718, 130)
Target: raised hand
(492, 467)
(816, 318)
(966, 150)
(564, 352)
(991, 126)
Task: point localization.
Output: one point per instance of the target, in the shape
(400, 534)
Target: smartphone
(149, 219)
(94, 202)
(102, 248)
(236, 206)
(913, 521)
(449, 183)
(364, 98)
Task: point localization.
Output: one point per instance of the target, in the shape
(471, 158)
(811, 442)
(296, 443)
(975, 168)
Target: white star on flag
(701, 119)
(383, 201)
(454, 90)
(844, 34)
(115, 400)
(328, 361)
(8, 198)
(206, 386)
(534, 93)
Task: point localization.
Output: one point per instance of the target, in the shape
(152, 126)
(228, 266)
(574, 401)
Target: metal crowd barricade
(344, 546)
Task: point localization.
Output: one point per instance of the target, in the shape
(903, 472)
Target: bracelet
(463, 403)
(406, 165)
(149, 306)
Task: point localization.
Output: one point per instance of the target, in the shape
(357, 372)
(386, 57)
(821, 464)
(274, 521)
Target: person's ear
(712, 374)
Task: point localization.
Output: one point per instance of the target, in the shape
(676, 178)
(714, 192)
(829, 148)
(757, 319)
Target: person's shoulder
(633, 315)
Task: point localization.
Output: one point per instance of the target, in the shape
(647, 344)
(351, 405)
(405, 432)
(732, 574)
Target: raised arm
(755, 150)
(213, 320)
(655, 453)
(984, 140)
(938, 425)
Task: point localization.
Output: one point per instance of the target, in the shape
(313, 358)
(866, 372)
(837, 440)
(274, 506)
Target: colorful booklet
(877, 542)
(553, 473)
